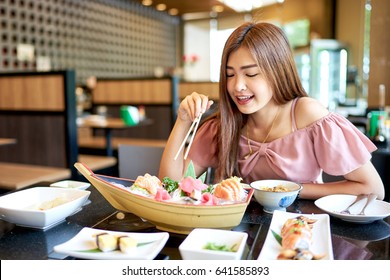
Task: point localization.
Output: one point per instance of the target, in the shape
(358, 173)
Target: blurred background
(342, 44)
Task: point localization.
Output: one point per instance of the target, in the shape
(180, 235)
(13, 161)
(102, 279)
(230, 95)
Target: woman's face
(246, 86)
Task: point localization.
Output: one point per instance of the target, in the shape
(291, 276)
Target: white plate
(71, 184)
(81, 245)
(24, 207)
(334, 204)
(322, 242)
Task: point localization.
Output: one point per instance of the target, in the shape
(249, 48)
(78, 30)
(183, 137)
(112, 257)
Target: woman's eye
(229, 75)
(252, 75)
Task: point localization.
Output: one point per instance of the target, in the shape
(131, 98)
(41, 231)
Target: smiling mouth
(242, 100)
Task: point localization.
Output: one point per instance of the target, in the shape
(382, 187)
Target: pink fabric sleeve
(204, 148)
(339, 146)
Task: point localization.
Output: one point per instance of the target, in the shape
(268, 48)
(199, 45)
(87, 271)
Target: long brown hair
(271, 50)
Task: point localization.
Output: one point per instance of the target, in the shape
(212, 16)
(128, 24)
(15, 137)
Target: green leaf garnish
(95, 250)
(190, 172)
(277, 237)
(170, 185)
(203, 177)
(209, 189)
(144, 243)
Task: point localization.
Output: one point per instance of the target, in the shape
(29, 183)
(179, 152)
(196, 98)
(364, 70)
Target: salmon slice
(229, 189)
(223, 193)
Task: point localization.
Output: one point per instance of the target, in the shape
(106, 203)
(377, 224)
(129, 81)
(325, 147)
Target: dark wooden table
(7, 141)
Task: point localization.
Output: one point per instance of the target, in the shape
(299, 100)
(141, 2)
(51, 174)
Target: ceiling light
(239, 5)
(173, 12)
(217, 8)
(161, 7)
(248, 5)
(147, 2)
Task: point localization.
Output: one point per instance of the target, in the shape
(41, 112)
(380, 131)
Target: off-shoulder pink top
(331, 144)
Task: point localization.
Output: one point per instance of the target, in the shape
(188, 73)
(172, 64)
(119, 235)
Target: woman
(267, 127)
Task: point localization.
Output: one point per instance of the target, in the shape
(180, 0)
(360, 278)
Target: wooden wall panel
(379, 52)
(145, 92)
(319, 12)
(45, 133)
(40, 113)
(32, 93)
(207, 88)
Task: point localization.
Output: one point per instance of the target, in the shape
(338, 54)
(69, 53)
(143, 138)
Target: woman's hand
(190, 108)
(193, 105)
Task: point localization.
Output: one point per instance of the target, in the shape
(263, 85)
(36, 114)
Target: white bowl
(71, 184)
(193, 247)
(41, 207)
(272, 201)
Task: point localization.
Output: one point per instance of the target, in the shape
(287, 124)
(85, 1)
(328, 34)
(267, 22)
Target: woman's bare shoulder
(309, 110)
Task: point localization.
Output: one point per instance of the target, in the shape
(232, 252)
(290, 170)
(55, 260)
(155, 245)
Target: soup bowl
(275, 194)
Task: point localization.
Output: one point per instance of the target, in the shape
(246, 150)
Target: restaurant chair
(136, 160)
(327, 178)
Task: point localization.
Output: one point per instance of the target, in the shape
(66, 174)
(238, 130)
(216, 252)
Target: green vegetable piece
(209, 189)
(203, 177)
(216, 247)
(190, 172)
(277, 237)
(169, 184)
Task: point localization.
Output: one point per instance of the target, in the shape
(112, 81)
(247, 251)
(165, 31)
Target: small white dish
(322, 241)
(83, 245)
(334, 204)
(71, 184)
(195, 244)
(41, 207)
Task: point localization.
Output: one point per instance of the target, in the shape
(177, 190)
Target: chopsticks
(193, 126)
